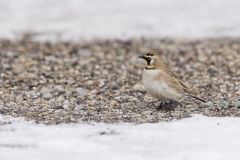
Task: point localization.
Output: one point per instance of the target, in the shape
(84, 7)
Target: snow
(88, 19)
(198, 138)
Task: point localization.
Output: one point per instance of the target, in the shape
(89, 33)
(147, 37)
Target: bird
(161, 83)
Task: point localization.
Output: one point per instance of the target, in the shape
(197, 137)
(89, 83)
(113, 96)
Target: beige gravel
(95, 81)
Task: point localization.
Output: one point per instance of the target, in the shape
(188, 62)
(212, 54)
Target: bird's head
(152, 60)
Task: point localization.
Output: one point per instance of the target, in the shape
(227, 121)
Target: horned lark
(161, 83)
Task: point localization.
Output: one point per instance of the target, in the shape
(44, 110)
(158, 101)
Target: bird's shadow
(165, 105)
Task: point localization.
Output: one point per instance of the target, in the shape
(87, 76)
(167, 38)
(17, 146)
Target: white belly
(158, 88)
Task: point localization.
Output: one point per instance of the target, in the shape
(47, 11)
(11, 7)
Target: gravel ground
(95, 81)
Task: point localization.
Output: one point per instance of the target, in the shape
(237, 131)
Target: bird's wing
(186, 89)
(172, 82)
(177, 81)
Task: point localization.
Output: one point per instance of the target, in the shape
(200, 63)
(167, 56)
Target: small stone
(101, 82)
(202, 57)
(114, 85)
(11, 54)
(45, 89)
(68, 93)
(6, 66)
(84, 52)
(58, 102)
(236, 104)
(72, 119)
(89, 83)
(139, 87)
(91, 103)
(46, 96)
(59, 89)
(132, 98)
(224, 103)
(113, 104)
(189, 106)
(71, 81)
(207, 104)
(80, 92)
(2, 109)
(33, 94)
(66, 104)
(108, 132)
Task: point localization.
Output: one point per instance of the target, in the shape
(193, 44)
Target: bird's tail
(198, 98)
(191, 92)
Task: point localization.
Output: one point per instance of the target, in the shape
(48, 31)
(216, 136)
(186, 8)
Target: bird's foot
(160, 106)
(167, 105)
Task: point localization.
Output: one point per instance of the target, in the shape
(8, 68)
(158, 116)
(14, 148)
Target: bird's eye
(149, 54)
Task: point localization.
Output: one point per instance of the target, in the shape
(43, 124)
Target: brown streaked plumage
(161, 82)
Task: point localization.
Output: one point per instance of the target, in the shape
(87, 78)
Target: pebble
(80, 92)
(33, 94)
(11, 54)
(89, 83)
(7, 66)
(46, 96)
(84, 52)
(207, 104)
(189, 106)
(114, 86)
(114, 104)
(59, 89)
(236, 104)
(139, 87)
(66, 104)
(224, 104)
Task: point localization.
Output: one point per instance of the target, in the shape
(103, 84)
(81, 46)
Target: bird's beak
(141, 57)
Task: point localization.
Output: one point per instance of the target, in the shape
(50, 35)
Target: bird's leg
(172, 104)
(160, 105)
(169, 105)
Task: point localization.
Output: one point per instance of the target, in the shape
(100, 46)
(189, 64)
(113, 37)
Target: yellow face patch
(150, 59)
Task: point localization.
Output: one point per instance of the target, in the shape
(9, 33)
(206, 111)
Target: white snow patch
(198, 138)
(87, 19)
